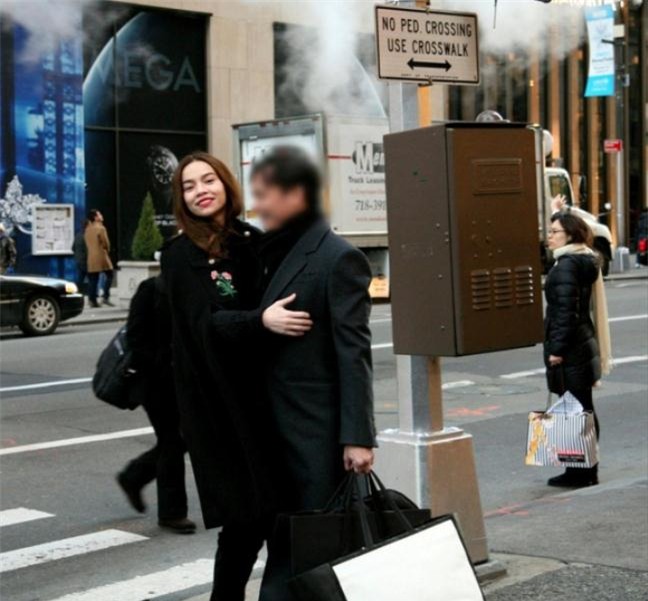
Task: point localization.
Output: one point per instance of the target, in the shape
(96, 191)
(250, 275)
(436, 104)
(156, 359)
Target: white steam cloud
(327, 46)
(323, 67)
(48, 22)
(526, 25)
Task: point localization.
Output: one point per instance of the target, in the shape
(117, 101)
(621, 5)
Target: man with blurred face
(319, 377)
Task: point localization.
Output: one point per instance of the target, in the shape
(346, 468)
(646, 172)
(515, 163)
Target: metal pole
(432, 464)
(620, 200)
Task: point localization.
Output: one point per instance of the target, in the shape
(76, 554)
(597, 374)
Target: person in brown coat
(98, 245)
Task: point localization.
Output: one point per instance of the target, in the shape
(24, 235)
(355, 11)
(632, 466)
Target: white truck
(350, 153)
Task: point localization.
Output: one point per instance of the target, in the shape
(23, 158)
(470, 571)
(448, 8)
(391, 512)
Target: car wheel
(42, 315)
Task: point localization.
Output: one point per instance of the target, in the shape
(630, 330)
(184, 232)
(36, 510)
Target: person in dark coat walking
(148, 332)
(80, 251)
(576, 347)
(211, 268)
(319, 384)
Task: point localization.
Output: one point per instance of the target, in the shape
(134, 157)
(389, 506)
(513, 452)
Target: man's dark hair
(290, 167)
(92, 215)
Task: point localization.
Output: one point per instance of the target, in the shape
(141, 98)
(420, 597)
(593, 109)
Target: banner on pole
(600, 33)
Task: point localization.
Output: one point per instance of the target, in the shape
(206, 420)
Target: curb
(623, 278)
(93, 320)
(490, 571)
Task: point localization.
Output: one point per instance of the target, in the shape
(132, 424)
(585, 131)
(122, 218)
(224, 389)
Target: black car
(37, 304)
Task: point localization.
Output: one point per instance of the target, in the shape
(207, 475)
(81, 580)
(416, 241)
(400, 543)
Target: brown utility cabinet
(463, 238)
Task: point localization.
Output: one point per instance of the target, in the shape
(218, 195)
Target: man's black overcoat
(319, 385)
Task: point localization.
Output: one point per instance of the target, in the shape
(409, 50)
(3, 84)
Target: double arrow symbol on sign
(445, 65)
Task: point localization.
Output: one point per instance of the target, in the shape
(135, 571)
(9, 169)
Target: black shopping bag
(314, 538)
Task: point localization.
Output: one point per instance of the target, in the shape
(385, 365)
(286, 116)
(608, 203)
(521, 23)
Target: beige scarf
(599, 300)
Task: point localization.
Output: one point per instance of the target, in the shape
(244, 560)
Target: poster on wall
(146, 165)
(145, 108)
(52, 229)
(600, 34)
(42, 126)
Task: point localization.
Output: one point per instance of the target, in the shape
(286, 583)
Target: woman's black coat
(222, 416)
(569, 331)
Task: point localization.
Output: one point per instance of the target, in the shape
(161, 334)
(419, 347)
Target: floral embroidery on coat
(224, 283)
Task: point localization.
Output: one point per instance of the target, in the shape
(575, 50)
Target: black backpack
(113, 381)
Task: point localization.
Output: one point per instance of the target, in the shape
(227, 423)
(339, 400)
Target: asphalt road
(65, 527)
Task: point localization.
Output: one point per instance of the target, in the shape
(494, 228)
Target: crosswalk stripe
(67, 547)
(457, 384)
(39, 385)
(164, 582)
(9, 517)
(147, 586)
(66, 442)
(377, 347)
(541, 370)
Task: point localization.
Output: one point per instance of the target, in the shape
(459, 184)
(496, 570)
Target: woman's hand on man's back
(280, 320)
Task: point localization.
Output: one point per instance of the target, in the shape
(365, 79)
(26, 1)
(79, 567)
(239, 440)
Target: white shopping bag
(563, 435)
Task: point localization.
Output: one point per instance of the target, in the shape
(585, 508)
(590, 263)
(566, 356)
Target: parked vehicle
(349, 151)
(37, 304)
(641, 238)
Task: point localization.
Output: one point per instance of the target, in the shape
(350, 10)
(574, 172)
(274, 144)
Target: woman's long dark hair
(207, 234)
(576, 229)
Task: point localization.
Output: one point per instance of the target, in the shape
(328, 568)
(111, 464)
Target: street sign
(427, 45)
(612, 145)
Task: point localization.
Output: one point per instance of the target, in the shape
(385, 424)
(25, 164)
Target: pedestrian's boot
(133, 493)
(108, 303)
(576, 477)
(178, 525)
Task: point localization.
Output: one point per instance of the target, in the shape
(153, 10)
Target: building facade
(100, 116)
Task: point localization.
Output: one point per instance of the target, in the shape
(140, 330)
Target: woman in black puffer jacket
(571, 348)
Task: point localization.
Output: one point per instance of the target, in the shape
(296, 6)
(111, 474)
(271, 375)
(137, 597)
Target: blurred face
(274, 206)
(202, 190)
(98, 217)
(557, 236)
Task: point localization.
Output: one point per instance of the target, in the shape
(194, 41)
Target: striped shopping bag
(562, 435)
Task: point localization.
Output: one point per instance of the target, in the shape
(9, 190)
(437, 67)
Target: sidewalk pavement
(98, 315)
(536, 578)
(116, 314)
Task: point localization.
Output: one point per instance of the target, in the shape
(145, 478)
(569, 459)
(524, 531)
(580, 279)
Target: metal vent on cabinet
(480, 286)
(503, 287)
(524, 288)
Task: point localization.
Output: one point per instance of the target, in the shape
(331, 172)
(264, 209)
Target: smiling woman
(203, 191)
(206, 200)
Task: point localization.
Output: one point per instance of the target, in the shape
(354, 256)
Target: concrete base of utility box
(437, 470)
